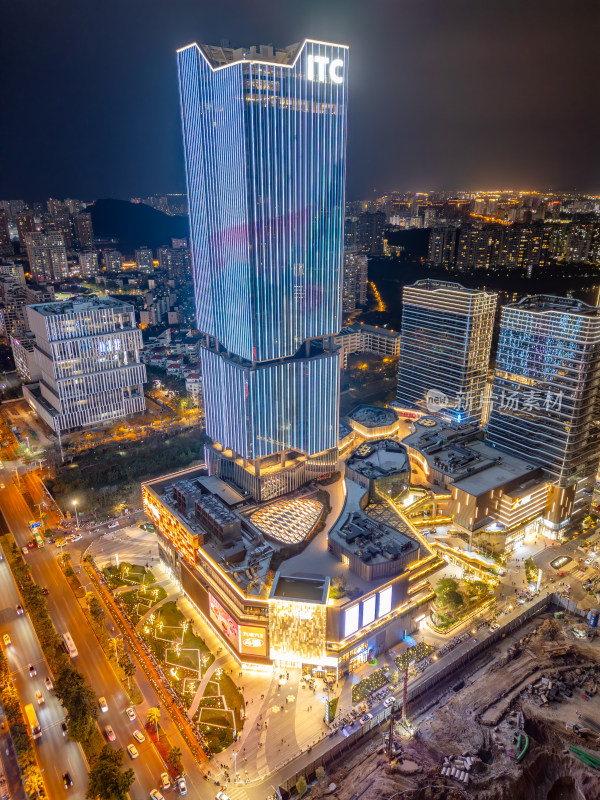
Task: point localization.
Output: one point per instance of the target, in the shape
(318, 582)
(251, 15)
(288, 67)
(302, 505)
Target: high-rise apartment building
(88, 263)
(369, 232)
(113, 261)
(6, 248)
(445, 344)
(25, 224)
(546, 399)
(144, 260)
(265, 140)
(47, 256)
(356, 274)
(84, 231)
(88, 351)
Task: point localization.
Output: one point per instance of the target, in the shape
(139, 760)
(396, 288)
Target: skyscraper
(265, 139)
(25, 224)
(144, 260)
(445, 346)
(355, 281)
(84, 230)
(88, 351)
(546, 400)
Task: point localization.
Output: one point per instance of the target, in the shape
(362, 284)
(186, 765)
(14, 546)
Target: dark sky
(444, 94)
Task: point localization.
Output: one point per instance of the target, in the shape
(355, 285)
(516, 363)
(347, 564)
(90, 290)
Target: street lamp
(76, 515)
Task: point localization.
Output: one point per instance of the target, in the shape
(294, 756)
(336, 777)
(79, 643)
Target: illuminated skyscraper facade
(546, 399)
(265, 140)
(445, 347)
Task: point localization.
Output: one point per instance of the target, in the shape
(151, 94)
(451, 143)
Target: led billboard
(385, 602)
(351, 620)
(253, 640)
(224, 621)
(368, 610)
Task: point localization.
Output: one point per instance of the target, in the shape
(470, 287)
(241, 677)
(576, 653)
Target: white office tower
(88, 350)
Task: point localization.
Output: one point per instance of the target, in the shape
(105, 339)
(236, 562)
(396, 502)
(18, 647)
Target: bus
(32, 721)
(38, 539)
(69, 645)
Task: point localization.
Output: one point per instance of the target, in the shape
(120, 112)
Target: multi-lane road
(55, 754)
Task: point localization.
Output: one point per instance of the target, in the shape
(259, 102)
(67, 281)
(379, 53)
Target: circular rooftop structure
(373, 422)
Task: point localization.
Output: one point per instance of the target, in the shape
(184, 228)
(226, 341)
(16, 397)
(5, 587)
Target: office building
(88, 263)
(88, 351)
(445, 347)
(355, 281)
(26, 363)
(546, 403)
(267, 259)
(47, 256)
(84, 231)
(144, 260)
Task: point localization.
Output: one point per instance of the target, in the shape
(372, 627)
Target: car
(63, 727)
(132, 750)
(130, 714)
(32, 671)
(156, 795)
(6, 640)
(181, 785)
(31, 545)
(48, 683)
(44, 591)
(77, 537)
(25, 551)
(40, 698)
(494, 627)
(114, 525)
(2, 486)
(222, 796)
(365, 718)
(165, 780)
(19, 610)
(110, 734)
(389, 701)
(139, 736)
(103, 704)
(67, 780)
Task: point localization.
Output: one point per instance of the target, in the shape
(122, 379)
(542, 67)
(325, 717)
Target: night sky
(444, 94)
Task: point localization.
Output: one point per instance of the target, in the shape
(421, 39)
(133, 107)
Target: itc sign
(317, 68)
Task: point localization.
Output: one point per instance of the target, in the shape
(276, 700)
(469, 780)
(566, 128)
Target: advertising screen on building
(351, 620)
(225, 622)
(385, 602)
(253, 640)
(368, 614)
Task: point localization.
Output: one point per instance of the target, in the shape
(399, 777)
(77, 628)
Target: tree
(34, 783)
(129, 668)
(153, 717)
(79, 701)
(174, 758)
(95, 608)
(301, 785)
(320, 773)
(105, 780)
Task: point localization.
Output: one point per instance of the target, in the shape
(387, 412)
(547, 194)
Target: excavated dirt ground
(480, 721)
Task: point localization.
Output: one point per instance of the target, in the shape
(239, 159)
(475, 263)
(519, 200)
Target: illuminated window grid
(183, 540)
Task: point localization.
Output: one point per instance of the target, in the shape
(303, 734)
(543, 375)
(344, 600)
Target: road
(68, 616)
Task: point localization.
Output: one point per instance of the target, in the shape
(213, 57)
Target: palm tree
(403, 662)
(153, 717)
(174, 758)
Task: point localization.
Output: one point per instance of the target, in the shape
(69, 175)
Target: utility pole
(391, 735)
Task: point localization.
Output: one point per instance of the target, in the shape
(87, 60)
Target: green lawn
(128, 575)
(139, 601)
(213, 716)
(223, 693)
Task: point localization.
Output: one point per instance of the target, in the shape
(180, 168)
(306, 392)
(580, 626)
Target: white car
(132, 750)
(156, 795)
(76, 538)
(139, 736)
(222, 796)
(19, 610)
(48, 683)
(130, 714)
(24, 550)
(365, 718)
(165, 781)
(181, 785)
(114, 525)
(389, 701)
(102, 703)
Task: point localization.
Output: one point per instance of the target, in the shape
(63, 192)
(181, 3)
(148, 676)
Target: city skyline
(450, 64)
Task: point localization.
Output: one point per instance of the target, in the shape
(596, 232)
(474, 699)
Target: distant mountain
(135, 225)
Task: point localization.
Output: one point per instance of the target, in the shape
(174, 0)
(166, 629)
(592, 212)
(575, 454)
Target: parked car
(165, 781)
(102, 703)
(130, 714)
(110, 734)
(389, 701)
(181, 785)
(222, 796)
(25, 551)
(114, 525)
(365, 718)
(139, 736)
(156, 795)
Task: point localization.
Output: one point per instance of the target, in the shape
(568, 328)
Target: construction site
(521, 723)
